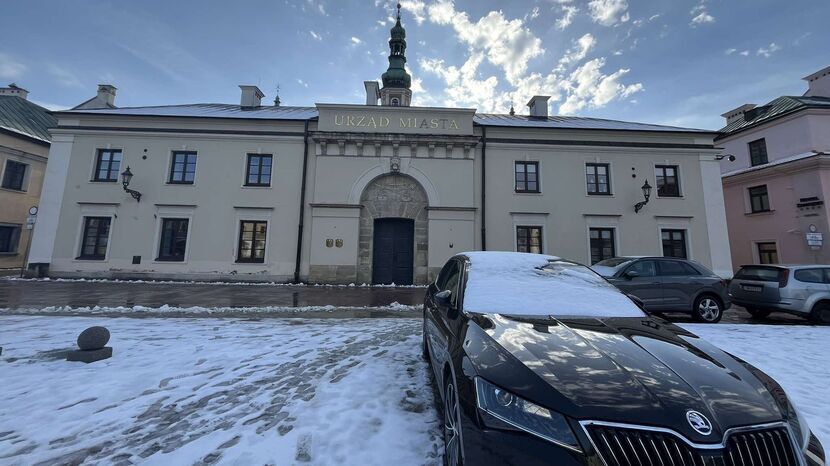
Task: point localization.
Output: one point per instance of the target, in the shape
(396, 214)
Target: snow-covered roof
(265, 112)
(536, 284)
(776, 162)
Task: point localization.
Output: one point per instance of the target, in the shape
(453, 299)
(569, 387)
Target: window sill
(599, 195)
(256, 186)
(159, 260)
(249, 263)
(21, 191)
(103, 181)
(90, 259)
(9, 253)
(527, 193)
(178, 183)
(760, 213)
(670, 197)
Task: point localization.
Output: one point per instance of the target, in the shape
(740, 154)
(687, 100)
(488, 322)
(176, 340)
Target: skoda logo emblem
(699, 422)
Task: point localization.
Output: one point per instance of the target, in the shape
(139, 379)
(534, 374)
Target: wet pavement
(37, 294)
(28, 294)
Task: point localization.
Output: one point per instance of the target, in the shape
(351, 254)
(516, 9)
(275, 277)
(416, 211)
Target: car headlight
(524, 415)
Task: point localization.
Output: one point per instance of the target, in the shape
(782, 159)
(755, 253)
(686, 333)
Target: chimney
(818, 83)
(14, 90)
(737, 114)
(251, 96)
(538, 105)
(106, 94)
(372, 92)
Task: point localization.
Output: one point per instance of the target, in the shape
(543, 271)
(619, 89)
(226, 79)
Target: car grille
(634, 447)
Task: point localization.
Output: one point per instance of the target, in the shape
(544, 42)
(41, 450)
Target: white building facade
(381, 192)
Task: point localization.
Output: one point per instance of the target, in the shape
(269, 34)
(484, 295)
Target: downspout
(483, 188)
(302, 206)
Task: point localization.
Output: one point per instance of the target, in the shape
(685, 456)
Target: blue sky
(681, 62)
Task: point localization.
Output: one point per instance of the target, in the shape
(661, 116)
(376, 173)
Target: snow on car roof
(536, 284)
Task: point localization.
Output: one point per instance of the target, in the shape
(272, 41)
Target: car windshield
(763, 274)
(535, 284)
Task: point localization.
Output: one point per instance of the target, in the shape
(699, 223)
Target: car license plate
(754, 289)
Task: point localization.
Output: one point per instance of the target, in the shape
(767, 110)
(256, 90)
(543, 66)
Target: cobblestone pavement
(16, 294)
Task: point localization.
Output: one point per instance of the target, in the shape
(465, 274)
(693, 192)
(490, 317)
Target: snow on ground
(276, 391)
(794, 355)
(233, 391)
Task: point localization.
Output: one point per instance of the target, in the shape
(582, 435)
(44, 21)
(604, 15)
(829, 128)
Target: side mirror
(443, 298)
(631, 274)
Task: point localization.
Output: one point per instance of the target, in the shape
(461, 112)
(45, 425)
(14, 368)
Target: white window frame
(163, 212)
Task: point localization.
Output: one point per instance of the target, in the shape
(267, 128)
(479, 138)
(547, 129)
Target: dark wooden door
(392, 256)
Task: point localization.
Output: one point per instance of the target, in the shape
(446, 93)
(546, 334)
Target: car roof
(788, 266)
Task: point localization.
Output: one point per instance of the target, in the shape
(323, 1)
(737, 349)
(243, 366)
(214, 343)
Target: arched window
(395, 102)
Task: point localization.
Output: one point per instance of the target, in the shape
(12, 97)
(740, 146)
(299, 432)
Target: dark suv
(669, 284)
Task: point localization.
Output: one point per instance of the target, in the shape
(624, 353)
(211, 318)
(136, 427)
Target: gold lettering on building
(364, 121)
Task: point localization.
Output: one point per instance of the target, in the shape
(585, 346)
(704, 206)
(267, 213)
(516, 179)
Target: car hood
(641, 370)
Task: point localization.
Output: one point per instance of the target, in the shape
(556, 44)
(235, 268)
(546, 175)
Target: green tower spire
(396, 75)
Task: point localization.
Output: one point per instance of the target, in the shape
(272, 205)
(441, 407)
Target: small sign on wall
(814, 240)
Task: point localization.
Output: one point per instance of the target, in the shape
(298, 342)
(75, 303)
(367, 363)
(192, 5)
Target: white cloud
(64, 77)
(534, 13)
(356, 40)
(568, 13)
(700, 15)
(302, 83)
(730, 51)
(579, 50)
(766, 52)
(589, 87)
(10, 68)
(315, 35)
(745, 53)
(318, 6)
(608, 12)
(507, 44)
(653, 17)
(417, 8)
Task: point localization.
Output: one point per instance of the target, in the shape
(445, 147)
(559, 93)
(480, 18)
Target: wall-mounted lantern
(646, 195)
(126, 177)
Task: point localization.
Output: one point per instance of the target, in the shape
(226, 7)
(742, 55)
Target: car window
(810, 275)
(453, 278)
(614, 261)
(676, 268)
(441, 281)
(643, 268)
(758, 273)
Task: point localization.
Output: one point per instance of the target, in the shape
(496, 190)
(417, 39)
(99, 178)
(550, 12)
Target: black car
(667, 284)
(539, 360)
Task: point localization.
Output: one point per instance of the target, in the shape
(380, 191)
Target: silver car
(802, 290)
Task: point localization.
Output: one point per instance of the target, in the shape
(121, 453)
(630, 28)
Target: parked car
(667, 284)
(803, 290)
(539, 360)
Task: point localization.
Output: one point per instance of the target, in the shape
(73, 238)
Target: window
(13, 175)
(676, 268)
(668, 185)
(173, 241)
(767, 253)
(810, 275)
(759, 199)
(183, 168)
(527, 177)
(95, 238)
(258, 172)
(758, 152)
(597, 178)
(252, 241)
(602, 244)
(107, 165)
(9, 236)
(674, 243)
(644, 268)
(529, 239)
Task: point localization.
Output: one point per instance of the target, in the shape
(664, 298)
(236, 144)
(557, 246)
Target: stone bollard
(92, 343)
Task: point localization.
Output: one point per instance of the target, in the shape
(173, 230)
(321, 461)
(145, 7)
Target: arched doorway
(393, 231)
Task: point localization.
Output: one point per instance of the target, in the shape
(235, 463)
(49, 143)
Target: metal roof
(570, 122)
(20, 116)
(777, 108)
(207, 111)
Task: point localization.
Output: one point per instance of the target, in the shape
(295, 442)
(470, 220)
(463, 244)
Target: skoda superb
(539, 360)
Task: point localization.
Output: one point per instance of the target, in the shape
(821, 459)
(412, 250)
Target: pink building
(775, 190)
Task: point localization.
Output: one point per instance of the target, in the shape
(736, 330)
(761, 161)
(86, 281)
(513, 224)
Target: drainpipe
(302, 206)
(483, 186)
